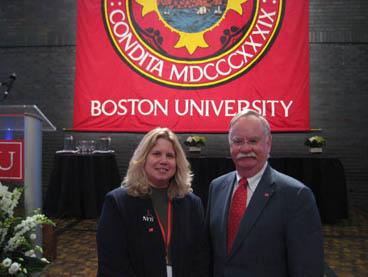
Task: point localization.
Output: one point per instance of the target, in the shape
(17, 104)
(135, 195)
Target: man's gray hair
(249, 112)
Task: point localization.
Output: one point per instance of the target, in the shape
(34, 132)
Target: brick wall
(38, 43)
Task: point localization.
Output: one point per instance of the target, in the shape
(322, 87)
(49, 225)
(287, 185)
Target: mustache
(247, 155)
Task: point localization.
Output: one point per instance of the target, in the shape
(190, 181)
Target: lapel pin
(266, 194)
(150, 230)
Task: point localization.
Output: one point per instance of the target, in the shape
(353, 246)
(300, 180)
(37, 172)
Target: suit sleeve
(304, 238)
(112, 249)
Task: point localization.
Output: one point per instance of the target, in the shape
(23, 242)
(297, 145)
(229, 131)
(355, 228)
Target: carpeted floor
(346, 247)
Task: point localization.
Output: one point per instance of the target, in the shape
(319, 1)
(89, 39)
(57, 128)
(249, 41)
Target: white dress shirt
(252, 182)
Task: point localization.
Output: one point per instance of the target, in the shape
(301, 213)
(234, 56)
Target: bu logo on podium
(11, 160)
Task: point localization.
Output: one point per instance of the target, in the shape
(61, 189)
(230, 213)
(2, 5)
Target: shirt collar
(254, 180)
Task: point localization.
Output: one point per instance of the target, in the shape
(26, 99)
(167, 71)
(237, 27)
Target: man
(279, 234)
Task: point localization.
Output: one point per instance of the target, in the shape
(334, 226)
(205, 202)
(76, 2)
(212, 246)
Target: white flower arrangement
(18, 253)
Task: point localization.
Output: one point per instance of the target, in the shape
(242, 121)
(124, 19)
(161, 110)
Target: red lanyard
(166, 239)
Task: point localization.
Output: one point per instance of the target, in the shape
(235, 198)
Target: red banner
(11, 160)
(190, 65)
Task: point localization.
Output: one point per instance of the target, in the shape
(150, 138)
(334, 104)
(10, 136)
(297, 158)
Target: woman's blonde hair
(136, 181)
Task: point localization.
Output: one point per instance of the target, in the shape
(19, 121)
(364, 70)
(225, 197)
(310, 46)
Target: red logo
(11, 160)
(191, 44)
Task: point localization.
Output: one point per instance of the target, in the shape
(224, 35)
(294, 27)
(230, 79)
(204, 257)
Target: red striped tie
(237, 209)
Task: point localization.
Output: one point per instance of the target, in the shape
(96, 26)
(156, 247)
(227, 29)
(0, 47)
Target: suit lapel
(259, 200)
(227, 188)
(176, 238)
(177, 221)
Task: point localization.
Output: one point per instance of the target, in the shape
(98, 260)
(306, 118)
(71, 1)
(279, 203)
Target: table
(78, 184)
(325, 176)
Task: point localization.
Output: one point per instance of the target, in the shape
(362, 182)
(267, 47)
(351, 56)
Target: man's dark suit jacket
(130, 242)
(280, 233)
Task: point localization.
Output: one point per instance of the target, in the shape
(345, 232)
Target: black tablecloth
(324, 175)
(78, 184)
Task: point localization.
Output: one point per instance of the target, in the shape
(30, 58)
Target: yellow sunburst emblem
(191, 41)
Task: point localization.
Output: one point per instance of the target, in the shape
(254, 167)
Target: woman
(151, 226)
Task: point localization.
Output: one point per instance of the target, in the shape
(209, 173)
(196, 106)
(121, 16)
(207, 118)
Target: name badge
(169, 270)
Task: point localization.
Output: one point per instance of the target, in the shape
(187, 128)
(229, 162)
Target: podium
(27, 122)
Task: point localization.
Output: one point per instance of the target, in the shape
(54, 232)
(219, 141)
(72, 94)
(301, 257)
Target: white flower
(9, 200)
(45, 260)
(16, 235)
(26, 225)
(3, 190)
(3, 233)
(6, 262)
(14, 268)
(29, 253)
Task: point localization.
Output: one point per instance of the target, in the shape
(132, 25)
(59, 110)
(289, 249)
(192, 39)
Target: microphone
(9, 85)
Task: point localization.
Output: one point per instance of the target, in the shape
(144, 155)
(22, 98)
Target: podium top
(12, 117)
